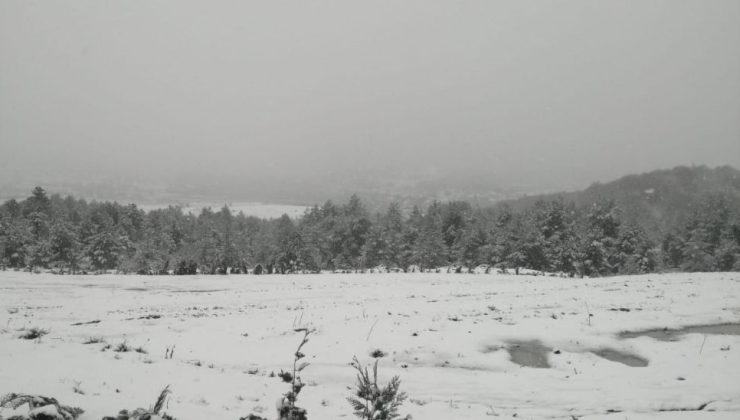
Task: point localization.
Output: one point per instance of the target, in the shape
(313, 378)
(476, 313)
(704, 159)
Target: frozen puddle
(199, 291)
(534, 354)
(665, 334)
(529, 353)
(621, 357)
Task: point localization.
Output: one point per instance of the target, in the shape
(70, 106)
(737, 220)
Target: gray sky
(544, 94)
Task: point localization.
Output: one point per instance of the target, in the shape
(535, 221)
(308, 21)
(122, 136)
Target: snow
(47, 410)
(444, 334)
(257, 209)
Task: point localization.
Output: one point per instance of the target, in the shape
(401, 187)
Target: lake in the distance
(257, 209)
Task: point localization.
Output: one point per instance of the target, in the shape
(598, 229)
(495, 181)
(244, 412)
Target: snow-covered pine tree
(370, 401)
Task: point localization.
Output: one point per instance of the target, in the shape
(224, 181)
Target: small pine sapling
(40, 407)
(287, 410)
(370, 401)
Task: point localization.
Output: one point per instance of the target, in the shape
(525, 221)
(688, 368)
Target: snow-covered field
(446, 335)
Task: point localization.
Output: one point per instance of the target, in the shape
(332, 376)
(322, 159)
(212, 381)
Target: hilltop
(659, 200)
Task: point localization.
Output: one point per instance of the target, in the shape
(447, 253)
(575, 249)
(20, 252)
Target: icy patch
(621, 357)
(666, 334)
(530, 353)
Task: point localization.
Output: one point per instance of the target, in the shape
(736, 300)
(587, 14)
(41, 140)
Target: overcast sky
(551, 94)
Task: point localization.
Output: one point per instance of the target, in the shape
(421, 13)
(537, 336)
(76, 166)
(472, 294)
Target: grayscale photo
(373, 210)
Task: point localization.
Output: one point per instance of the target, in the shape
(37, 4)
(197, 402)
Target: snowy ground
(445, 335)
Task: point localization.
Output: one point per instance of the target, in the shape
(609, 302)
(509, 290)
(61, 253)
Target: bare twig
(371, 330)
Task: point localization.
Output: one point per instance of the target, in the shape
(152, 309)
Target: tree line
(76, 236)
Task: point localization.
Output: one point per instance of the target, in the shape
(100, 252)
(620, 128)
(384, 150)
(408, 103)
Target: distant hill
(657, 200)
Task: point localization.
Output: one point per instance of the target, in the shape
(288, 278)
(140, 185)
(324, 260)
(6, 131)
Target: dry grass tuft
(34, 333)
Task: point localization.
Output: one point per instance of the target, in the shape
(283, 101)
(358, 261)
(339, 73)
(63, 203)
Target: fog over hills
(303, 102)
(658, 200)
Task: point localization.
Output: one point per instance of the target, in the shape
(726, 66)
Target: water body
(257, 209)
(534, 354)
(665, 334)
(621, 357)
(529, 354)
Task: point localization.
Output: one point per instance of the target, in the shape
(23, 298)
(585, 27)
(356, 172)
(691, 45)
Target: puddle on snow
(621, 357)
(528, 353)
(665, 334)
(535, 354)
(199, 291)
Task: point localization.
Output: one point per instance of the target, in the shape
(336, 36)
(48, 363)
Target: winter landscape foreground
(454, 339)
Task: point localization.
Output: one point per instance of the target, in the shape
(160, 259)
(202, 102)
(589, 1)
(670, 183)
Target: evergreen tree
(105, 250)
(15, 240)
(637, 254)
(72, 234)
(598, 252)
(352, 229)
(429, 249)
(64, 246)
(287, 246)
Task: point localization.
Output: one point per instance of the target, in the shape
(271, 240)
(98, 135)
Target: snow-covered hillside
(450, 337)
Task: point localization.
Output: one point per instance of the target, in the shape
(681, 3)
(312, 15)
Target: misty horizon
(303, 101)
